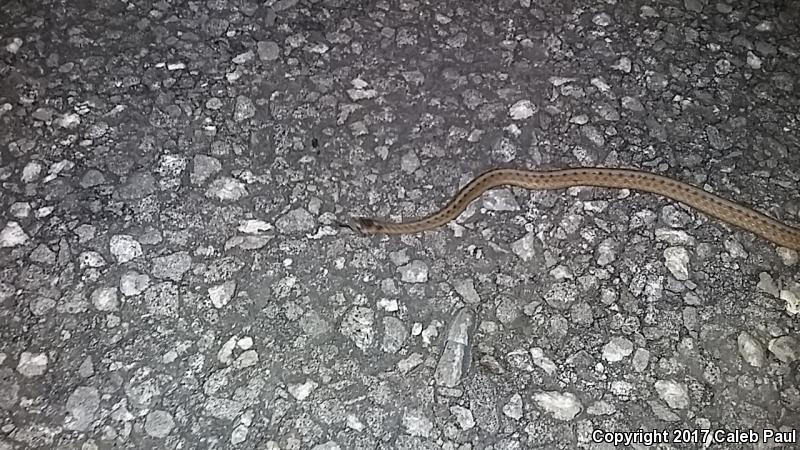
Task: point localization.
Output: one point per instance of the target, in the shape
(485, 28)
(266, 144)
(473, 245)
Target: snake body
(706, 202)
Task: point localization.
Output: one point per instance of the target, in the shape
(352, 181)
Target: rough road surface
(172, 274)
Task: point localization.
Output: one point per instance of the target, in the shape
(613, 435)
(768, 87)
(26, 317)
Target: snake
(730, 212)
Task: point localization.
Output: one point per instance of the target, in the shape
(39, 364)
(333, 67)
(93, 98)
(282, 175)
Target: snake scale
(730, 212)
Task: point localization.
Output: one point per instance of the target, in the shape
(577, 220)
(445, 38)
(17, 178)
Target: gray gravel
(172, 175)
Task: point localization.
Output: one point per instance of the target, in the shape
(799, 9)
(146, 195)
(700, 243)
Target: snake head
(362, 225)
(356, 224)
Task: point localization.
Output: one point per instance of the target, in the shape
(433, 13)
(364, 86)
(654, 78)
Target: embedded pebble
(105, 299)
(304, 390)
(248, 358)
(675, 394)
(138, 185)
(792, 299)
(14, 46)
(225, 353)
(358, 325)
(623, 64)
(580, 119)
(562, 405)
(226, 189)
(12, 235)
(42, 254)
(214, 104)
(204, 167)
(244, 57)
(7, 291)
(267, 50)
(133, 283)
(466, 289)
(86, 369)
(408, 364)
(514, 407)
(97, 130)
(32, 364)
(162, 299)
(222, 408)
(359, 91)
(677, 262)
(9, 389)
(593, 135)
(171, 267)
(221, 294)
(68, 120)
(313, 324)
(239, 434)
(640, 359)
(298, 220)
(751, 350)
(31, 172)
(455, 358)
(785, 348)
(601, 408)
(753, 61)
(632, 104)
(417, 424)
(158, 424)
(663, 412)
(92, 178)
(561, 295)
(693, 5)
(606, 252)
(245, 343)
(124, 248)
(602, 19)
(617, 349)
(20, 210)
(394, 334)
(463, 417)
(414, 272)
(527, 247)
(543, 362)
(717, 139)
(767, 284)
(252, 226)
(329, 445)
(622, 389)
(85, 233)
(244, 109)
(409, 162)
(81, 407)
(500, 200)
(764, 26)
(522, 110)
(42, 305)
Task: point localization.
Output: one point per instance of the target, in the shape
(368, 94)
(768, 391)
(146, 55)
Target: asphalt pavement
(174, 273)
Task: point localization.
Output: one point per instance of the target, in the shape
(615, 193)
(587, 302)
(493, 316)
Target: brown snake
(713, 205)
